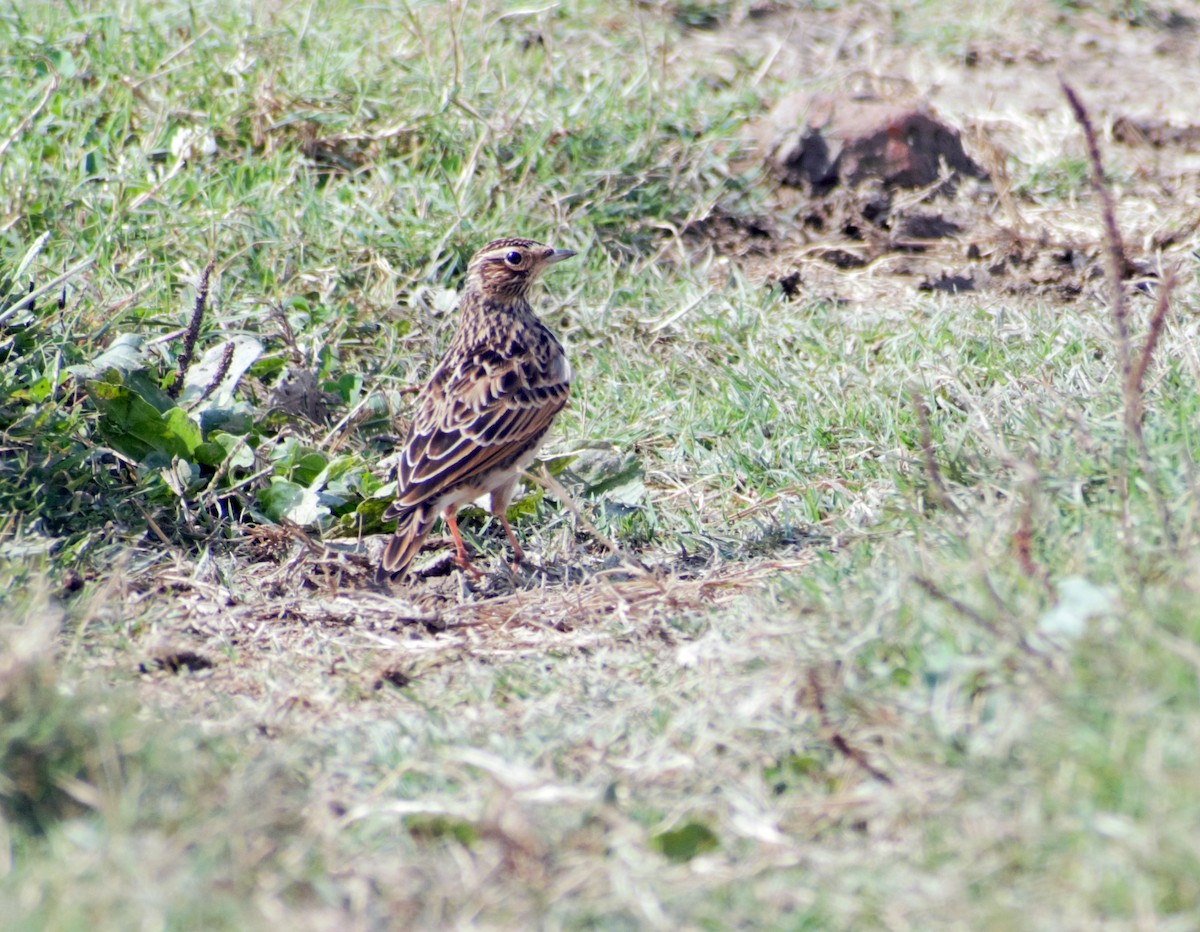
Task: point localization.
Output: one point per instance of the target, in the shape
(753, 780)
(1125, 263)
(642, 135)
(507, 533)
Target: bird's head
(506, 268)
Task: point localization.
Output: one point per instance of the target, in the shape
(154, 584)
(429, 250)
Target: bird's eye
(514, 258)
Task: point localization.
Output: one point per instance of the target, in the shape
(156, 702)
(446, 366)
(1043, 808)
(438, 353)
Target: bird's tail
(413, 525)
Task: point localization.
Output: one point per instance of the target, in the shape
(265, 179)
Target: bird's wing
(472, 419)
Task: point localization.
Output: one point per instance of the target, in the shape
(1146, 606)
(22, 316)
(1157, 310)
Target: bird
(486, 408)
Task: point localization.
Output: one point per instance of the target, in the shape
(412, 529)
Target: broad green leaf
(123, 355)
(367, 518)
(686, 842)
(309, 468)
(142, 382)
(242, 455)
(526, 506)
(299, 463)
(181, 431)
(348, 387)
(237, 419)
(286, 500)
(64, 63)
(41, 389)
(386, 492)
(348, 476)
(136, 428)
(556, 463)
(210, 454)
(283, 452)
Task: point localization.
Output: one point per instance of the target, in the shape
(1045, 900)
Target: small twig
(193, 331)
(223, 469)
(167, 337)
(340, 430)
(1115, 251)
(967, 611)
(145, 196)
(1022, 542)
(936, 485)
(158, 532)
(1135, 401)
(1023, 539)
(757, 506)
(286, 333)
(1137, 374)
(962, 608)
(297, 533)
(1131, 376)
(836, 738)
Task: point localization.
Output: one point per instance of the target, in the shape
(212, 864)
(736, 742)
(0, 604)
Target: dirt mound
(900, 174)
(823, 141)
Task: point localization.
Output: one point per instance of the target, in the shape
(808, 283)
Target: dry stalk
(1116, 261)
(1132, 376)
(961, 607)
(934, 590)
(151, 523)
(936, 485)
(1135, 401)
(1135, 388)
(1022, 542)
(836, 738)
(193, 332)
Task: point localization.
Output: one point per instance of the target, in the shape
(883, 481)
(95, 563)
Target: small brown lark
(486, 408)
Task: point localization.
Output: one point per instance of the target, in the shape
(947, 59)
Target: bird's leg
(518, 553)
(501, 496)
(460, 557)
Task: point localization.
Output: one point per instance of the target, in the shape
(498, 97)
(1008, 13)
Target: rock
(822, 141)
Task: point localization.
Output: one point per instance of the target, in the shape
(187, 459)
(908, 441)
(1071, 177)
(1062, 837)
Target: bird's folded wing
(464, 431)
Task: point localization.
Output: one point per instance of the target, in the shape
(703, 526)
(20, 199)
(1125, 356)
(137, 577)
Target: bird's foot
(464, 564)
(460, 549)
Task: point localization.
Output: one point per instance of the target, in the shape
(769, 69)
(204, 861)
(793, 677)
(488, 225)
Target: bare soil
(873, 242)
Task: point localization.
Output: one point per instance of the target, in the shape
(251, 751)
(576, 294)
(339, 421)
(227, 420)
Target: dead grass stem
(1116, 266)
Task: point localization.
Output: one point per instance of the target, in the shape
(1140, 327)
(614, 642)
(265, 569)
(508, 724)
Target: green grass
(854, 694)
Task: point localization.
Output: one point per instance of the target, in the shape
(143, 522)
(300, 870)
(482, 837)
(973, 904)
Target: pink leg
(501, 496)
(518, 553)
(460, 557)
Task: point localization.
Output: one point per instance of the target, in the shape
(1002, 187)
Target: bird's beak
(557, 255)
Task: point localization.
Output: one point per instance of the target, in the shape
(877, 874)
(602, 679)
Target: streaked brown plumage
(486, 408)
